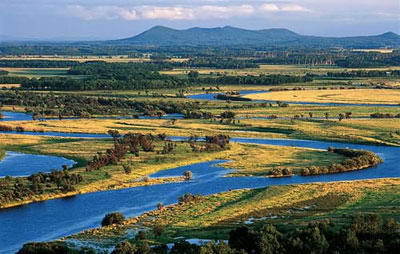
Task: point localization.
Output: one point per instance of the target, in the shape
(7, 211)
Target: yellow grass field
(10, 85)
(365, 96)
(383, 51)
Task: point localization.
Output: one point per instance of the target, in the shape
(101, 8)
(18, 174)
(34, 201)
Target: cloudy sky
(111, 19)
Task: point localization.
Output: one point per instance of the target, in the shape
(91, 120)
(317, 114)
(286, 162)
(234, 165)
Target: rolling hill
(231, 36)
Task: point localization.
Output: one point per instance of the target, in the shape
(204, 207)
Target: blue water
(56, 218)
(59, 134)
(15, 116)
(22, 164)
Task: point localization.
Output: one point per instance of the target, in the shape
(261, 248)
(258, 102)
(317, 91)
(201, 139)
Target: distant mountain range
(231, 36)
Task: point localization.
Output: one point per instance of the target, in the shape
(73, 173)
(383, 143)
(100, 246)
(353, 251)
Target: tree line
(344, 59)
(41, 105)
(38, 63)
(364, 73)
(273, 79)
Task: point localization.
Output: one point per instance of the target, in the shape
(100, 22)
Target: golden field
(364, 96)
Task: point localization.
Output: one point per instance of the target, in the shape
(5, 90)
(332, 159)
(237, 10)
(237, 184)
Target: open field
(365, 96)
(8, 86)
(40, 72)
(384, 51)
(212, 217)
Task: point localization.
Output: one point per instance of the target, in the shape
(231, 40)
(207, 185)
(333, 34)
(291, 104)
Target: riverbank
(113, 177)
(213, 216)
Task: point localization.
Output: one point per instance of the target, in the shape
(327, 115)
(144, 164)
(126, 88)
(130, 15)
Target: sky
(113, 19)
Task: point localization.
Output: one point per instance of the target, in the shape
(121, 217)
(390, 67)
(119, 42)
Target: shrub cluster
(212, 144)
(384, 115)
(357, 159)
(130, 142)
(112, 219)
(62, 181)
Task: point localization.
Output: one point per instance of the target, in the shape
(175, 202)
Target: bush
(44, 248)
(158, 229)
(125, 248)
(189, 198)
(188, 175)
(112, 218)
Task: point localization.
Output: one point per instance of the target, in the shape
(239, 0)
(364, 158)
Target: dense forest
(42, 105)
(341, 59)
(216, 63)
(364, 74)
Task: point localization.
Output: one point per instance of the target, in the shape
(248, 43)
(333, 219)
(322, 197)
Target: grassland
(212, 217)
(40, 72)
(370, 131)
(365, 96)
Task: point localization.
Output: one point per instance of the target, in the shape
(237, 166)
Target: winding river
(53, 219)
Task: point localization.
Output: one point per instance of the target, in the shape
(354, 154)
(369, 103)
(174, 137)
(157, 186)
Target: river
(53, 219)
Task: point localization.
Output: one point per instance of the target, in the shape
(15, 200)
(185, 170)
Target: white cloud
(198, 12)
(294, 8)
(169, 13)
(272, 7)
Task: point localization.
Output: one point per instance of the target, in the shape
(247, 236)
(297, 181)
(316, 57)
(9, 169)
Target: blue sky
(110, 19)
